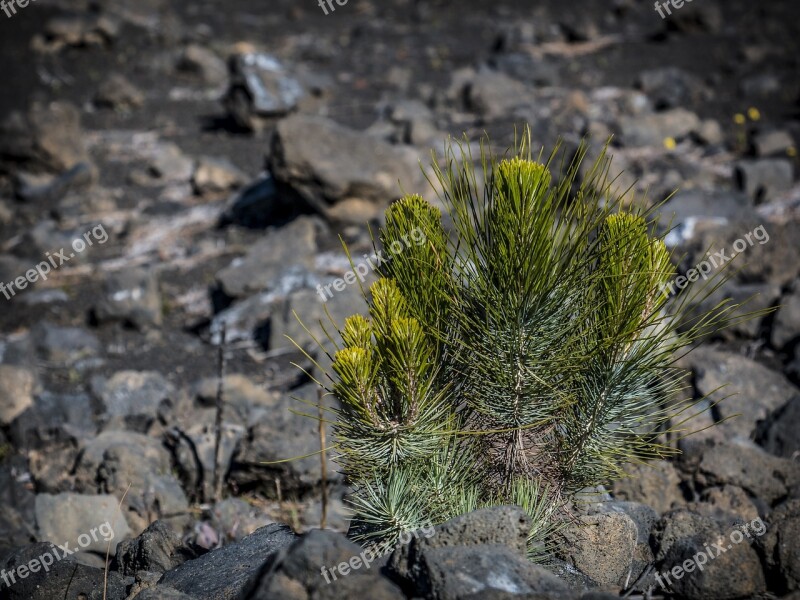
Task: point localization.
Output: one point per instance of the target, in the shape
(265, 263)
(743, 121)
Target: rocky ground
(213, 153)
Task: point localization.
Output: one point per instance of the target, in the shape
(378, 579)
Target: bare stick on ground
(108, 549)
(218, 422)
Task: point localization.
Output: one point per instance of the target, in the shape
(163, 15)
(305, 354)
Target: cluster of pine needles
(519, 356)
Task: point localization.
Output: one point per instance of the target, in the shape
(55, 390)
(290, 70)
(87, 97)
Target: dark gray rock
(216, 175)
(762, 84)
(48, 138)
(80, 30)
(118, 93)
(604, 547)
(777, 434)
(777, 261)
(731, 569)
(287, 332)
(480, 552)
(187, 464)
(64, 345)
(695, 18)
(281, 251)
(534, 71)
(492, 94)
(258, 205)
(323, 162)
(224, 573)
(652, 129)
(701, 205)
(454, 572)
(672, 87)
(324, 565)
(10, 268)
(54, 418)
(250, 319)
(786, 325)
(42, 239)
(234, 518)
(579, 27)
(645, 519)
(95, 200)
(751, 297)
(164, 163)
(163, 592)
(242, 397)
(414, 123)
(133, 394)
(201, 436)
(746, 465)
(261, 87)
(774, 257)
(500, 525)
(275, 434)
(49, 297)
(726, 504)
(75, 179)
(151, 494)
(157, 549)
(116, 460)
(18, 517)
(64, 577)
(710, 133)
(570, 575)
(148, 451)
(16, 392)
(131, 296)
(67, 517)
(204, 64)
(781, 545)
(792, 369)
(763, 179)
(771, 143)
(752, 391)
(50, 467)
(655, 484)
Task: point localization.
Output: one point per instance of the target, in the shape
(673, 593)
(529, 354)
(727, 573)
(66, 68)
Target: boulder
(698, 559)
(131, 296)
(156, 550)
(781, 545)
(323, 163)
(16, 392)
(62, 578)
(224, 573)
(86, 523)
(324, 565)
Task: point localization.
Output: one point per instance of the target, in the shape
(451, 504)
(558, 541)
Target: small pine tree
(523, 357)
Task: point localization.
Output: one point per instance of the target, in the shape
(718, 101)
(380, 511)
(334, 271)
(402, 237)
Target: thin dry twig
(108, 548)
(218, 420)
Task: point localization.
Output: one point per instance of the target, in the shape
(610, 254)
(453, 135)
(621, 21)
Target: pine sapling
(520, 357)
